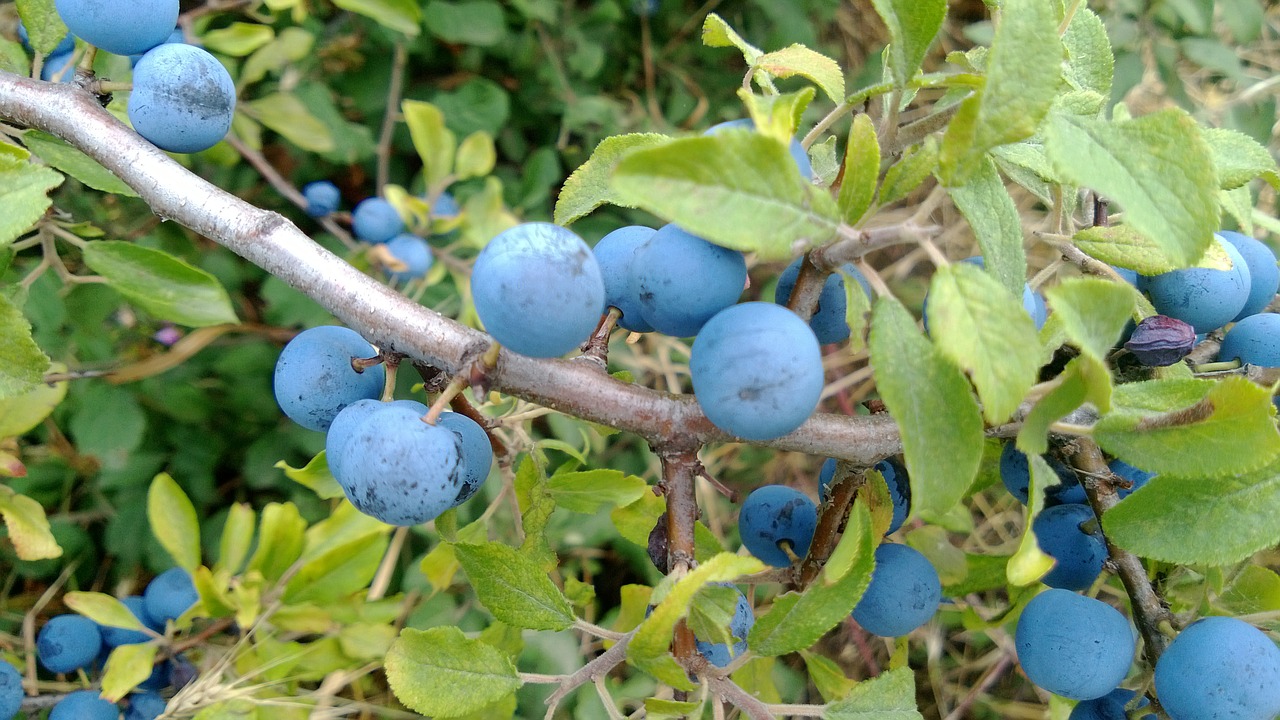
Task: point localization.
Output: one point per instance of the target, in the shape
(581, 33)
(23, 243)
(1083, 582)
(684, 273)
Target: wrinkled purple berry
(1161, 340)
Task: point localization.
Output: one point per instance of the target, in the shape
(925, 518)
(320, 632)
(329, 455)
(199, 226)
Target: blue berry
(84, 705)
(1015, 473)
(145, 706)
(58, 67)
(115, 637)
(10, 691)
(176, 36)
(774, 514)
(1078, 555)
(1129, 276)
(323, 198)
(538, 289)
(376, 221)
(122, 28)
(895, 476)
(1130, 473)
(904, 592)
(1264, 275)
(183, 99)
(445, 206)
(314, 378)
(477, 453)
(170, 594)
(756, 370)
(347, 421)
(1204, 298)
(68, 643)
(397, 468)
(414, 252)
(798, 153)
(1072, 645)
(828, 319)
(1254, 340)
(1109, 707)
(616, 254)
(683, 280)
(740, 624)
(1220, 668)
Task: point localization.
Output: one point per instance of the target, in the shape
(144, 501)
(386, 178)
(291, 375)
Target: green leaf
(238, 39)
(906, 175)
(1255, 590)
(280, 540)
(1029, 563)
(22, 363)
(800, 60)
(1158, 168)
(44, 26)
(590, 490)
(888, 696)
(442, 673)
(777, 116)
(434, 142)
(315, 476)
(1122, 246)
(237, 537)
(912, 26)
(513, 588)
(827, 676)
(930, 399)
(1090, 63)
(659, 709)
(1093, 312)
(796, 620)
(402, 16)
(709, 614)
(1191, 428)
(648, 649)
(471, 22)
(1023, 75)
(127, 667)
(1234, 517)
(984, 329)
(1239, 158)
(28, 526)
(587, 188)
(285, 114)
(861, 170)
(717, 33)
(290, 46)
(985, 203)
(24, 192)
(760, 202)
(343, 566)
(1083, 378)
(104, 610)
(536, 506)
(161, 284)
(74, 163)
(476, 156)
(22, 413)
(174, 522)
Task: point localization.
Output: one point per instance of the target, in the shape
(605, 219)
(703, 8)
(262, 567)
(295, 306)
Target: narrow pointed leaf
(173, 521)
(985, 203)
(164, 286)
(912, 26)
(587, 188)
(985, 330)
(861, 170)
(930, 399)
(811, 64)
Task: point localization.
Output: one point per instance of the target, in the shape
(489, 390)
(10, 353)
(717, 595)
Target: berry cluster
(72, 643)
(390, 462)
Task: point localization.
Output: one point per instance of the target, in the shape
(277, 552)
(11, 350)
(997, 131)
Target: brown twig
(844, 486)
(1149, 609)
(596, 349)
(680, 468)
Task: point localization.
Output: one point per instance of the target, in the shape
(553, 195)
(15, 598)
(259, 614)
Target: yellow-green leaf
(173, 521)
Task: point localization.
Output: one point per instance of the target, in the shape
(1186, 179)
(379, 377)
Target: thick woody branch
(679, 471)
(383, 316)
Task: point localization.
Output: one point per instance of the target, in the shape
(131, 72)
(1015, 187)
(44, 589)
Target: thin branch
(680, 468)
(394, 87)
(1149, 609)
(600, 666)
(727, 690)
